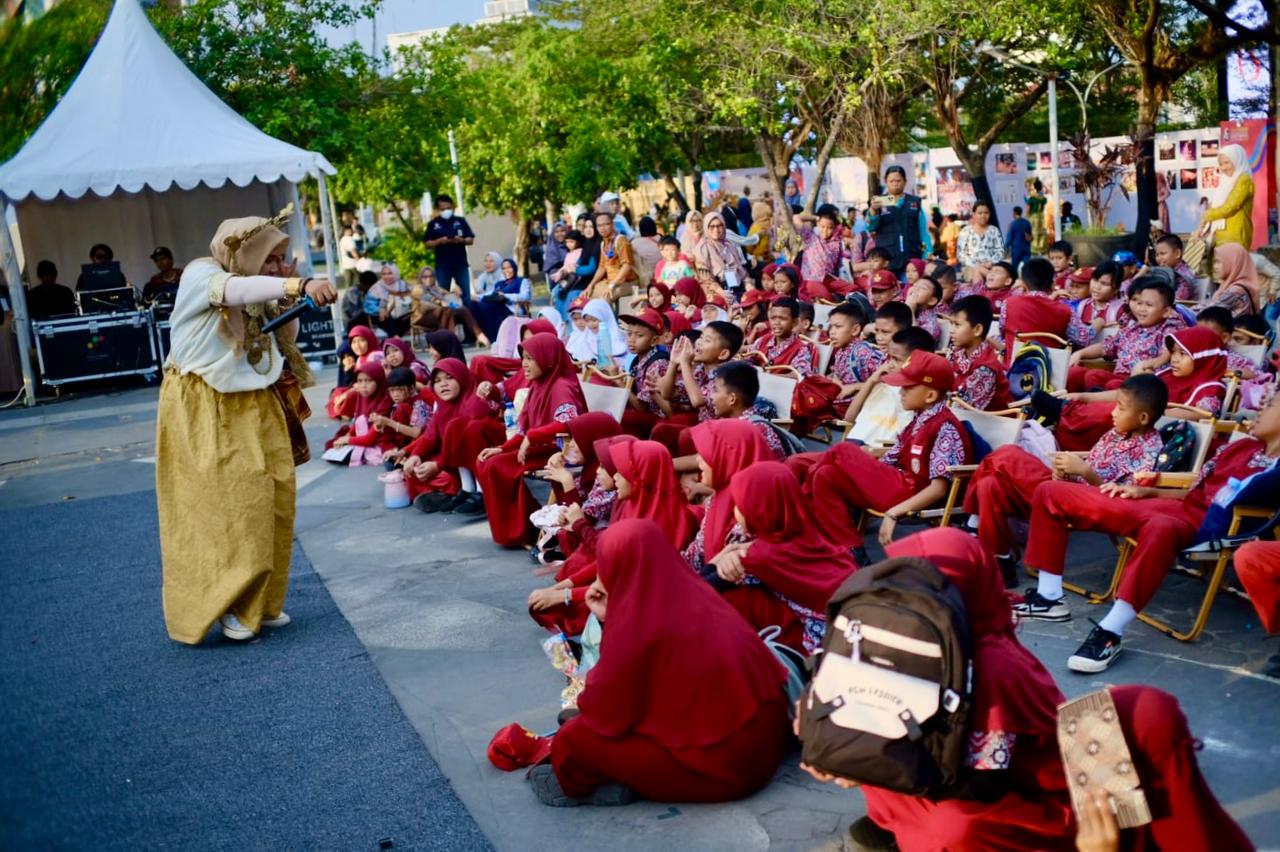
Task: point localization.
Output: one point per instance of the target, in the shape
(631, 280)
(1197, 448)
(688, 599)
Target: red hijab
(728, 446)
(587, 430)
(405, 349)
(557, 386)
(1012, 690)
(655, 490)
(538, 326)
(693, 290)
(379, 403)
(1205, 348)
(366, 334)
(679, 322)
(604, 451)
(789, 553)
(677, 665)
(465, 405)
(666, 295)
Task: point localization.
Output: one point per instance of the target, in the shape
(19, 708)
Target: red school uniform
(1162, 526)
(1005, 481)
(793, 351)
(1027, 313)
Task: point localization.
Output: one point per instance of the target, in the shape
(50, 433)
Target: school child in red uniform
(923, 297)
(431, 484)
(494, 368)
(1163, 521)
(778, 567)
(996, 286)
(884, 288)
(370, 399)
(408, 417)
(1005, 480)
(1037, 311)
(1193, 377)
(981, 380)
(650, 362)
(1104, 307)
(782, 346)
(723, 448)
(555, 398)
(1220, 320)
(912, 475)
(853, 360)
(1060, 254)
(686, 702)
(688, 381)
(1140, 344)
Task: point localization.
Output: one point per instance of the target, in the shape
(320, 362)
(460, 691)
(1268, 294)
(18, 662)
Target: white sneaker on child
(232, 628)
(280, 620)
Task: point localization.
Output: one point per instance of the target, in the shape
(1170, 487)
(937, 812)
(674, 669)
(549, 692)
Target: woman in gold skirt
(224, 460)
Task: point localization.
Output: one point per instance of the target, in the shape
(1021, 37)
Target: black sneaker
(1008, 570)
(432, 501)
(547, 788)
(454, 502)
(1097, 653)
(868, 836)
(472, 505)
(1037, 607)
(1272, 668)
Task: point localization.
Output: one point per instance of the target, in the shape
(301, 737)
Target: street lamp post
(1053, 154)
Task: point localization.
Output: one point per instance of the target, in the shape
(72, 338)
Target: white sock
(1049, 586)
(1122, 612)
(972, 523)
(468, 479)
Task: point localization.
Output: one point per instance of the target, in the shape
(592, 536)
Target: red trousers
(848, 478)
(1161, 527)
(639, 423)
(761, 608)
(1001, 489)
(1083, 424)
(507, 499)
(1258, 566)
(737, 766)
(444, 482)
(491, 368)
(1092, 378)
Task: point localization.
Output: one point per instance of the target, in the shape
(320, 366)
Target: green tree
(38, 61)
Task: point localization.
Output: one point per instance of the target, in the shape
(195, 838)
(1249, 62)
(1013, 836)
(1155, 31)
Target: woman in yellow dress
(224, 461)
(1230, 215)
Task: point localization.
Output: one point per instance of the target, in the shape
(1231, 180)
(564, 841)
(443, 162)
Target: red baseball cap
(883, 279)
(578, 304)
(1083, 275)
(647, 317)
(924, 368)
(753, 297)
(515, 747)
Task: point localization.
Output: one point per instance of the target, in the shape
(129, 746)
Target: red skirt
(761, 608)
(507, 499)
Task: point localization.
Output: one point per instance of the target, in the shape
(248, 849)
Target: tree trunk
(1150, 99)
(820, 165)
(775, 171)
(404, 223)
(697, 188)
(673, 191)
(976, 166)
(521, 248)
(874, 158)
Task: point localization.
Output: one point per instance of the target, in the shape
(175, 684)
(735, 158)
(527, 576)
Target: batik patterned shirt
(1135, 343)
(768, 433)
(1116, 457)
(979, 386)
(856, 362)
(652, 365)
(948, 447)
(928, 320)
(804, 359)
(1188, 288)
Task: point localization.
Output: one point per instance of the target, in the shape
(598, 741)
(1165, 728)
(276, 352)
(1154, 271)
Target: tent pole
(298, 234)
(330, 256)
(18, 297)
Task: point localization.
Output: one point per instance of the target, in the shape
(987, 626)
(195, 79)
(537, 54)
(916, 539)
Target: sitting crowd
(692, 502)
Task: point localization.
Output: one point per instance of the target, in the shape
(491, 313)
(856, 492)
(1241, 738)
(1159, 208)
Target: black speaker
(84, 348)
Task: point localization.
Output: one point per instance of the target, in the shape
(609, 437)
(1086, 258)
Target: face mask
(446, 214)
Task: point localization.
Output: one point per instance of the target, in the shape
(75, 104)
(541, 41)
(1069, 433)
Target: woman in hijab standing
(1229, 219)
(224, 463)
(686, 703)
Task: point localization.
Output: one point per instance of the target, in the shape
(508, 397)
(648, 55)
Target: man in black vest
(898, 222)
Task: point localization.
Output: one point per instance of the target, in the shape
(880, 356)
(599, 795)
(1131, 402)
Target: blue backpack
(1260, 489)
(1030, 371)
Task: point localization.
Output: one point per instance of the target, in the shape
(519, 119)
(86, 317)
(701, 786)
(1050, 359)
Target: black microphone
(289, 315)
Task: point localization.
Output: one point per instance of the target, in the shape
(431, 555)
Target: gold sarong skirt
(226, 492)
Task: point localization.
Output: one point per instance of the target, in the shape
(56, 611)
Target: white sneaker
(233, 629)
(276, 620)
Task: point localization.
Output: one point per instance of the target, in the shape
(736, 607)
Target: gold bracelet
(293, 287)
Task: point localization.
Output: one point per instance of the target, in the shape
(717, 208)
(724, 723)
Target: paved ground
(441, 612)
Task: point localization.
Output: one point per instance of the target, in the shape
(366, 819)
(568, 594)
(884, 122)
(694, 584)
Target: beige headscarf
(241, 246)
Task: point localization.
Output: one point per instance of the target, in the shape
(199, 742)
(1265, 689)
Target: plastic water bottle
(509, 418)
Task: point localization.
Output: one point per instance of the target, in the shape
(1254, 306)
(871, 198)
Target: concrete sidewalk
(441, 611)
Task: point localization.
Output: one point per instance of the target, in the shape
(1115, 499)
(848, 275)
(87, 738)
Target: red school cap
(883, 279)
(1083, 275)
(647, 317)
(515, 747)
(753, 297)
(924, 368)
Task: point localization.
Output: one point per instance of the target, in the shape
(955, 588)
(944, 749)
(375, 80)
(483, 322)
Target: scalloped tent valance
(137, 117)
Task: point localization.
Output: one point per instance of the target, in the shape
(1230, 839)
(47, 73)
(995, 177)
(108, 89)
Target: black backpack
(889, 702)
(1030, 371)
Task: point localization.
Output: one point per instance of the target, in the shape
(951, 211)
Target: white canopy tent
(139, 153)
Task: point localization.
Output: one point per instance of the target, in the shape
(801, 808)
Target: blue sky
(396, 16)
